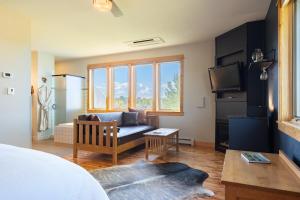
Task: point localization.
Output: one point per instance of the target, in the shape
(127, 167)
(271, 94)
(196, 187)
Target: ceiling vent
(145, 42)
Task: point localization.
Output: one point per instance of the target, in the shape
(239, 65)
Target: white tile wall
(63, 134)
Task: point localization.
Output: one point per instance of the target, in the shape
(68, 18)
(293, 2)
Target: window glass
(153, 86)
(297, 61)
(169, 81)
(100, 88)
(120, 87)
(144, 86)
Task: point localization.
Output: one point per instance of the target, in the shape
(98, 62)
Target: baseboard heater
(186, 141)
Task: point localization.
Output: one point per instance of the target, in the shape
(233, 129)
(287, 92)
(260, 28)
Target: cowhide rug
(144, 181)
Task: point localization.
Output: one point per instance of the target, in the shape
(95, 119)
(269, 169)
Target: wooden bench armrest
(153, 120)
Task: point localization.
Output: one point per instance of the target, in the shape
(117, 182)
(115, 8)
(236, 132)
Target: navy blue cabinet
(233, 46)
(249, 134)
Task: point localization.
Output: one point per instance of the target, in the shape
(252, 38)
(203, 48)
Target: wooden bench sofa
(106, 137)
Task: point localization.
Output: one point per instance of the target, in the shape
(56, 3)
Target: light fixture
(103, 5)
(264, 75)
(257, 56)
(259, 61)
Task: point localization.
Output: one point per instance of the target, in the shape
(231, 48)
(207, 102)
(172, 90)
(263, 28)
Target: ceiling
(73, 28)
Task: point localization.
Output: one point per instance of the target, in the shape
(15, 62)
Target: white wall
(15, 117)
(197, 123)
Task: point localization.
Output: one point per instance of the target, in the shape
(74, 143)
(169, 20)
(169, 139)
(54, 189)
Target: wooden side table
(160, 140)
(252, 181)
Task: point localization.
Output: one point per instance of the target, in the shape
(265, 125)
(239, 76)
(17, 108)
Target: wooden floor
(200, 158)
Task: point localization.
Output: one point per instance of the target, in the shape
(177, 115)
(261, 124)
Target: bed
(35, 175)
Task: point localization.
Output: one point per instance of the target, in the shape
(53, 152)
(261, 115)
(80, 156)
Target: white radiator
(187, 141)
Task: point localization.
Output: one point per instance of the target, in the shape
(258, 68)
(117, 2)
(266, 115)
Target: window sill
(101, 111)
(162, 113)
(292, 129)
(156, 113)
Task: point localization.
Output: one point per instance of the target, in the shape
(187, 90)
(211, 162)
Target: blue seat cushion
(130, 130)
(129, 133)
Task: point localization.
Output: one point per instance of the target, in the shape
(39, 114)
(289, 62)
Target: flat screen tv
(225, 78)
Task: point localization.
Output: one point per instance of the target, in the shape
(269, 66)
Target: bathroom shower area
(69, 102)
(56, 99)
(56, 102)
(70, 95)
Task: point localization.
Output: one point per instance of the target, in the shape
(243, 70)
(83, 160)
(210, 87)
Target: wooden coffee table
(160, 140)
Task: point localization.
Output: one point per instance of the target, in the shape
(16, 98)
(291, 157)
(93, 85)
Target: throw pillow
(95, 118)
(90, 117)
(83, 117)
(130, 119)
(141, 115)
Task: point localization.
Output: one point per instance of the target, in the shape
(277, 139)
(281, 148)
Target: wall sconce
(264, 75)
(261, 62)
(257, 56)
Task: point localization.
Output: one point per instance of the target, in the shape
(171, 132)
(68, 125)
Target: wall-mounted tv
(225, 78)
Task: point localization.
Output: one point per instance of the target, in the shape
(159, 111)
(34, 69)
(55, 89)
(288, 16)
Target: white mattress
(33, 175)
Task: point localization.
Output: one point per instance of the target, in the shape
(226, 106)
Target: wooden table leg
(165, 148)
(147, 148)
(177, 142)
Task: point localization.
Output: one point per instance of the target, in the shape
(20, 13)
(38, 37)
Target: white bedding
(33, 175)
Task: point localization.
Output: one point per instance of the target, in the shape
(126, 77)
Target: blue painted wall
(291, 147)
(280, 140)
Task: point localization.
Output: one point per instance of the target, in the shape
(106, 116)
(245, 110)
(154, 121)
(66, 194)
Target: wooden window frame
(285, 75)
(132, 84)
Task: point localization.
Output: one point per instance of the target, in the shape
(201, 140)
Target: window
(120, 87)
(288, 70)
(144, 86)
(151, 84)
(169, 98)
(297, 60)
(99, 88)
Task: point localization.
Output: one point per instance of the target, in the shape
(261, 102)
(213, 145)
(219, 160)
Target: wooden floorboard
(199, 158)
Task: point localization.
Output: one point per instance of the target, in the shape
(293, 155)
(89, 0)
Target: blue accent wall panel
(280, 140)
(291, 147)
